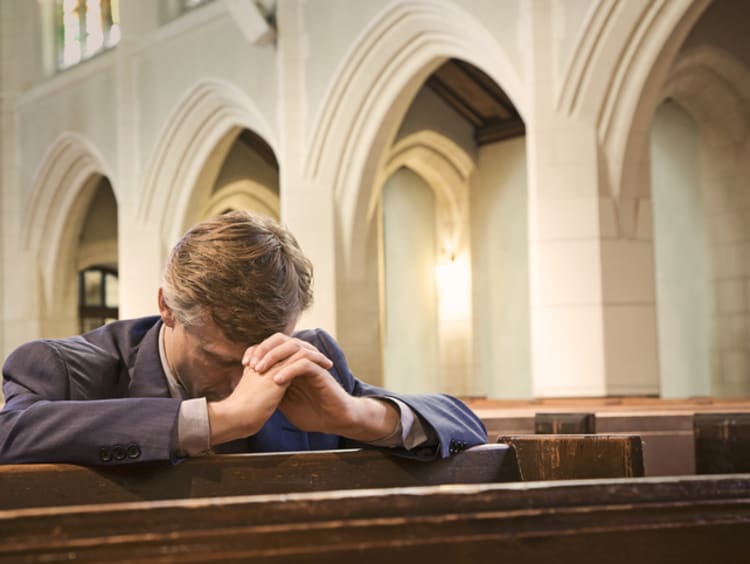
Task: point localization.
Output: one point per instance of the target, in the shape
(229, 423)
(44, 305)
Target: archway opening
(699, 154)
(88, 243)
(241, 172)
(450, 206)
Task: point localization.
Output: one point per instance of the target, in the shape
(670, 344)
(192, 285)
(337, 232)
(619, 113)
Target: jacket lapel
(147, 379)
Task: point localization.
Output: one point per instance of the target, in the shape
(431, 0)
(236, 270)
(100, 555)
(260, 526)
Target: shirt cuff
(408, 434)
(193, 430)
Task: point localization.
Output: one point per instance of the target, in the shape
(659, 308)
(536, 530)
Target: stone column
(591, 266)
(141, 250)
(306, 206)
(19, 285)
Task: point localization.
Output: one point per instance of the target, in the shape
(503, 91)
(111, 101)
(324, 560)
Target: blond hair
(245, 271)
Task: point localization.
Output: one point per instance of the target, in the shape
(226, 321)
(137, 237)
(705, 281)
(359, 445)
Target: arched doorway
(699, 153)
(454, 254)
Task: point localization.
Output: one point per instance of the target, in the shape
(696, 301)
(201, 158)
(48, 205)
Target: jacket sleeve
(454, 427)
(41, 423)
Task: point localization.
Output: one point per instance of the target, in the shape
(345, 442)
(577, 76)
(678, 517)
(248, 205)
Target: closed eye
(220, 360)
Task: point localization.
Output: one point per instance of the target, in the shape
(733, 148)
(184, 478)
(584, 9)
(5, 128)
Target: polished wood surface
(567, 457)
(644, 520)
(39, 485)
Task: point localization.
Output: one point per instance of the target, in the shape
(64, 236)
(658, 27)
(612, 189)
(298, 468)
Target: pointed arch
(445, 167)
(244, 194)
(625, 115)
(721, 101)
(61, 192)
(378, 80)
(212, 113)
(709, 86)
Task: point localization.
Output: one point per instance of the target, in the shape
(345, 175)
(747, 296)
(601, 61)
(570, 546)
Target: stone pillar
(19, 285)
(306, 206)
(141, 249)
(591, 266)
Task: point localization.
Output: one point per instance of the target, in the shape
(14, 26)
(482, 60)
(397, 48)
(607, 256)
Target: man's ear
(167, 316)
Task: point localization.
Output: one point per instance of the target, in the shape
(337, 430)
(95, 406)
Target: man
(220, 369)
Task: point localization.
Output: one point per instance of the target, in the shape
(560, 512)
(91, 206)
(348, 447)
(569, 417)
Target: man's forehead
(212, 340)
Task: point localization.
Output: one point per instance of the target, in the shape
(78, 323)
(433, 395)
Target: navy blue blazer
(102, 398)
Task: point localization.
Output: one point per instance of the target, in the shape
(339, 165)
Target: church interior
(502, 200)
(541, 207)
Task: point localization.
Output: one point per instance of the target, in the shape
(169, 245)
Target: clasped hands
(292, 375)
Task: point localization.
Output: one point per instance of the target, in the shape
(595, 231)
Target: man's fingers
(248, 355)
(280, 352)
(302, 366)
(284, 350)
(260, 350)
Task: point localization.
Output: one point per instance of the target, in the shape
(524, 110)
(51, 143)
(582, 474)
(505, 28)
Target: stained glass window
(85, 28)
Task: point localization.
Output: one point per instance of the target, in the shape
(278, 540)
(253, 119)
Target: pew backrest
(644, 520)
(565, 423)
(565, 457)
(722, 442)
(39, 485)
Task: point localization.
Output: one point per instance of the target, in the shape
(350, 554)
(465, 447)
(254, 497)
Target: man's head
(243, 272)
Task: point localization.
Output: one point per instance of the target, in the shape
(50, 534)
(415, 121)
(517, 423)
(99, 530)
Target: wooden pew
(566, 457)
(722, 442)
(565, 423)
(519, 458)
(39, 485)
(667, 437)
(618, 521)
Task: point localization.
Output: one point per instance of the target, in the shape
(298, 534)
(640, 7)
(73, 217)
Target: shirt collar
(175, 389)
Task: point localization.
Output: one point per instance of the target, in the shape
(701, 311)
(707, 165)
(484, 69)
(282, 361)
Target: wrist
(371, 420)
(226, 422)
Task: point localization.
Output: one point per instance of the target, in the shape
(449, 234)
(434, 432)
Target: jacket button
(118, 452)
(105, 455)
(134, 451)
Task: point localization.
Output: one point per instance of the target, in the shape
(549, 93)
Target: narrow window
(85, 28)
(97, 297)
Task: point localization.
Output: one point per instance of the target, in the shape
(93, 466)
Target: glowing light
(454, 287)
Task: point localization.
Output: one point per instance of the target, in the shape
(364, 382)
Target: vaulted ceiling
(479, 99)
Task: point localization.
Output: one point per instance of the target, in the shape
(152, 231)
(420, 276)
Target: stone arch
(445, 167)
(244, 194)
(203, 125)
(712, 85)
(378, 80)
(624, 122)
(62, 190)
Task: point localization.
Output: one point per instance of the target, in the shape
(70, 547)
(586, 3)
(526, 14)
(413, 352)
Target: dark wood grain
(722, 442)
(563, 457)
(565, 423)
(644, 520)
(39, 485)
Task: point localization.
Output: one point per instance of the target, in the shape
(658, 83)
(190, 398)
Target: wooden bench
(566, 457)
(722, 442)
(618, 521)
(517, 458)
(39, 485)
(565, 423)
(667, 437)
